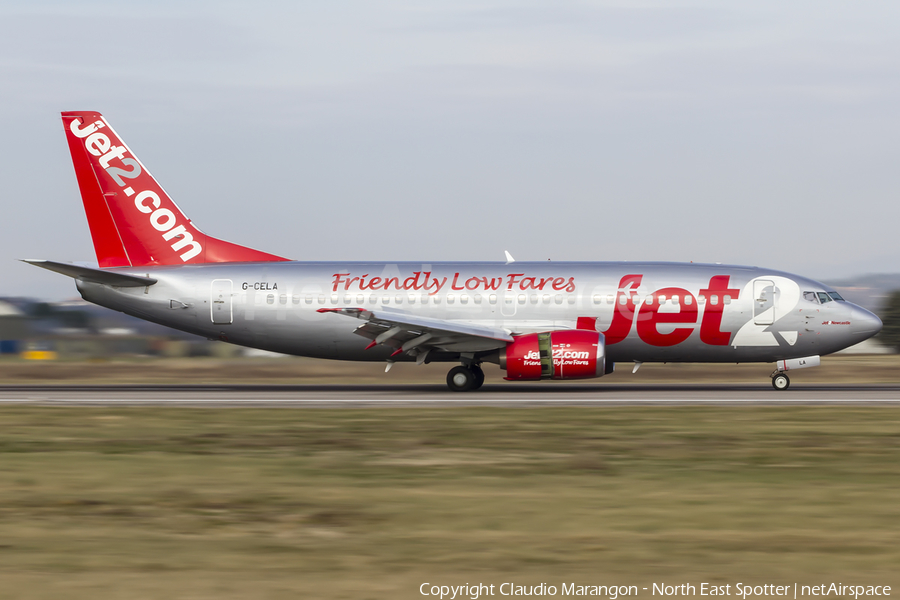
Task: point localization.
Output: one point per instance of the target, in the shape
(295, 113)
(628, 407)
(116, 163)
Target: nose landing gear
(780, 381)
(465, 378)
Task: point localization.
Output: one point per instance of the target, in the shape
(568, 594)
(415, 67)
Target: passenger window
(373, 299)
(347, 299)
(282, 299)
(571, 300)
(726, 299)
(437, 299)
(649, 300)
(492, 299)
(270, 299)
(360, 299)
(412, 298)
(398, 299)
(309, 299)
(688, 299)
(598, 299)
(662, 298)
(674, 298)
(701, 299)
(385, 299)
(450, 298)
(534, 299)
(713, 299)
(477, 298)
(546, 299)
(558, 299)
(463, 298)
(321, 298)
(521, 298)
(623, 300)
(295, 299)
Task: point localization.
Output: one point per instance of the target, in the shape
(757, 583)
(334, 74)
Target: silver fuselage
(748, 314)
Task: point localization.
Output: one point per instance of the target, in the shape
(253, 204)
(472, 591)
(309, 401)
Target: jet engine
(563, 354)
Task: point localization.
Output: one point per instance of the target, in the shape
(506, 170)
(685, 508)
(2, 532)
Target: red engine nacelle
(564, 354)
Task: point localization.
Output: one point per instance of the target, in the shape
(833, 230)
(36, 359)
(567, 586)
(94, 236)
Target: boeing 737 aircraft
(545, 320)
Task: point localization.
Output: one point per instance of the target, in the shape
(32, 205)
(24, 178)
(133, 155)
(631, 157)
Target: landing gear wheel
(461, 379)
(781, 382)
(479, 376)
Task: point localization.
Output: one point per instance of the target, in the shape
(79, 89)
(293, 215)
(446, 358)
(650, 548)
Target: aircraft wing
(416, 334)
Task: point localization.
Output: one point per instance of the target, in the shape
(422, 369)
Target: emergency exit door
(220, 301)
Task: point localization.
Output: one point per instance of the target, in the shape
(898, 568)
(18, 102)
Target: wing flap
(415, 333)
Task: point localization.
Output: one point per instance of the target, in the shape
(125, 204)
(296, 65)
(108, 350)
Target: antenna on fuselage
(509, 258)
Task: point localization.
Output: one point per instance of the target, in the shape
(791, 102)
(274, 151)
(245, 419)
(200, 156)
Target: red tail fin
(133, 221)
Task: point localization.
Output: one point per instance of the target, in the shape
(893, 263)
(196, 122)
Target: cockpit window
(811, 296)
(823, 297)
(836, 296)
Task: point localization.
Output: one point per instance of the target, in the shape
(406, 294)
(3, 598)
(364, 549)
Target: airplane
(536, 320)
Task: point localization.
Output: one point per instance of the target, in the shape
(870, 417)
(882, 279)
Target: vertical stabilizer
(133, 221)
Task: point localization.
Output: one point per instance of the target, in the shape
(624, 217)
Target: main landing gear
(465, 378)
(780, 381)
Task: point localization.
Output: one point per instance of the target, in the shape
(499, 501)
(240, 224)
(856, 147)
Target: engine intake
(563, 354)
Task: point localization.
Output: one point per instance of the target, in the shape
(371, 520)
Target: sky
(761, 133)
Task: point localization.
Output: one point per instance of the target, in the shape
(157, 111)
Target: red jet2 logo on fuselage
(649, 317)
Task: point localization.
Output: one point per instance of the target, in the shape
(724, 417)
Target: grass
(138, 502)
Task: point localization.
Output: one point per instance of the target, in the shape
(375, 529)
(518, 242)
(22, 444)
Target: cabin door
(220, 301)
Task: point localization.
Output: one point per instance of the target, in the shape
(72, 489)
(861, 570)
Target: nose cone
(863, 324)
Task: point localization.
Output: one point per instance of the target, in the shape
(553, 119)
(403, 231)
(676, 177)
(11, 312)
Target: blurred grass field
(169, 502)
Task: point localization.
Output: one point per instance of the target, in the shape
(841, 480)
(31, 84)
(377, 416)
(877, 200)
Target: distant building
(14, 328)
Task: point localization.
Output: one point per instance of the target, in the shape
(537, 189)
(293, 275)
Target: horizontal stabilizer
(93, 275)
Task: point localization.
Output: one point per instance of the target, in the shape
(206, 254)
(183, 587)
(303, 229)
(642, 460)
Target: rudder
(133, 221)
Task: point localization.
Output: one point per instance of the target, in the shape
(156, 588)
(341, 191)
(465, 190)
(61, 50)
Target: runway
(438, 395)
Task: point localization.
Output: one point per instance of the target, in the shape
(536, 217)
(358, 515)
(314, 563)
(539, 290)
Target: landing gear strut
(465, 378)
(780, 381)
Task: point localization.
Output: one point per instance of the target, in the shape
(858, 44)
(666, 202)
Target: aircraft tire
(781, 382)
(479, 377)
(461, 379)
